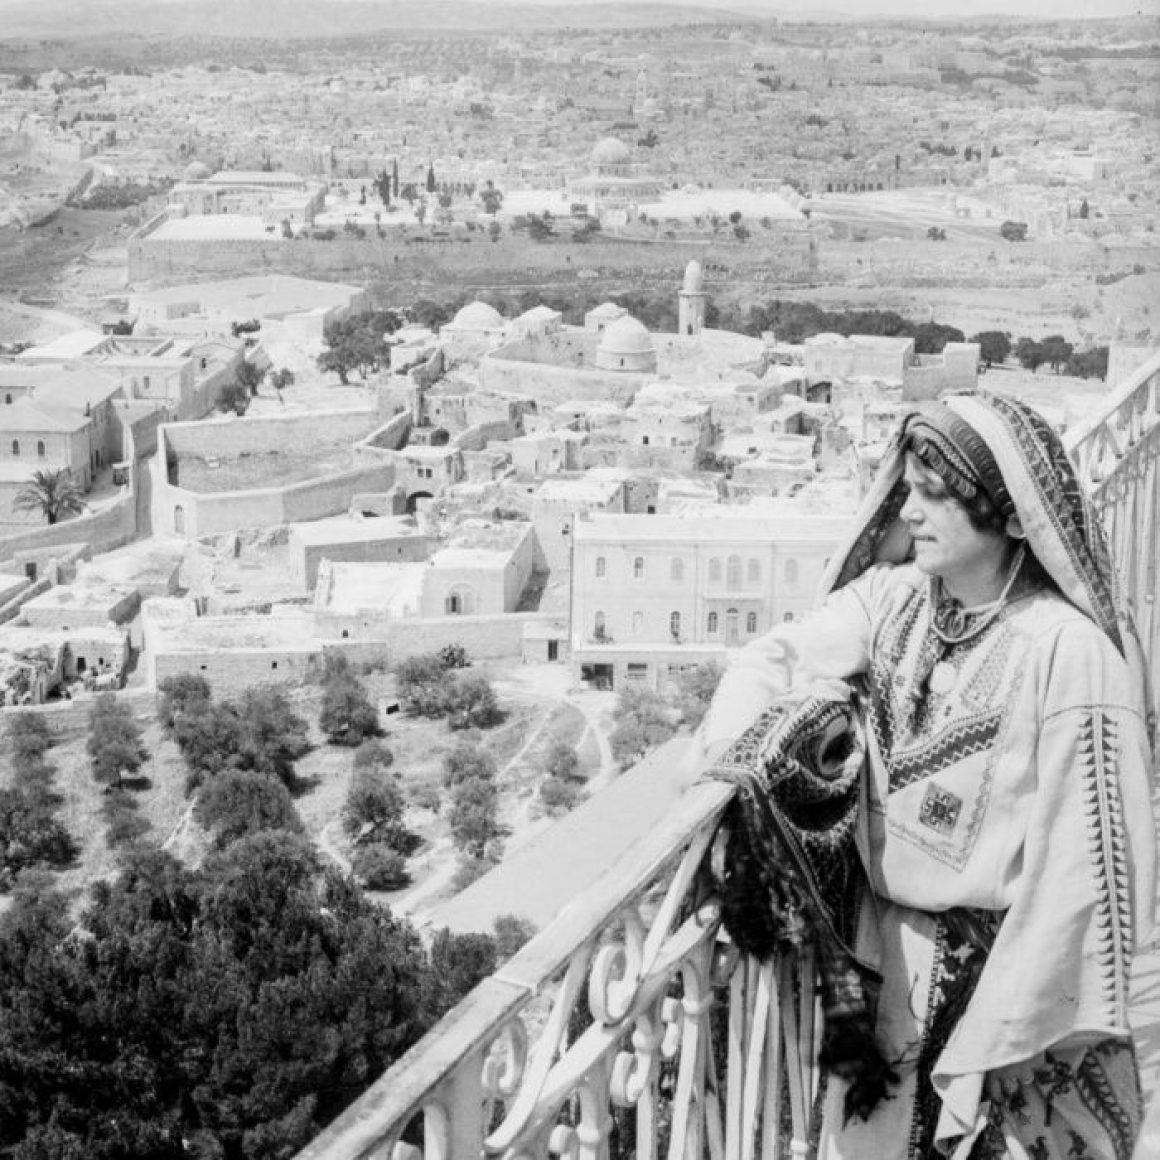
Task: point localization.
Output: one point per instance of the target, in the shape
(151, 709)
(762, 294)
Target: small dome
(610, 152)
(478, 316)
(626, 336)
(694, 282)
(197, 171)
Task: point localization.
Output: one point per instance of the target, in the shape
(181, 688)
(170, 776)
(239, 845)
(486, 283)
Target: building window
(754, 572)
(15, 446)
(637, 623)
(40, 448)
(8, 398)
(712, 624)
(751, 623)
(637, 672)
(601, 567)
(638, 568)
(733, 573)
(675, 625)
(714, 571)
(791, 571)
(676, 569)
(598, 629)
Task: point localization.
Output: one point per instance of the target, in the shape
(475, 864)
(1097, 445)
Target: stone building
(654, 595)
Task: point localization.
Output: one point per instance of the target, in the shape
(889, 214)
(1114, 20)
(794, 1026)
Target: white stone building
(653, 595)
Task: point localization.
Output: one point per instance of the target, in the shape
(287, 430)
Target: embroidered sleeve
(834, 642)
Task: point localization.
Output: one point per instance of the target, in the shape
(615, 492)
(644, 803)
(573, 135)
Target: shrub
(474, 817)
(426, 797)
(467, 760)
(422, 682)
(29, 736)
(454, 656)
(373, 755)
(184, 693)
(512, 932)
(240, 802)
(559, 795)
(114, 742)
(471, 869)
(347, 716)
(562, 761)
(471, 702)
(374, 801)
(123, 824)
(30, 834)
(380, 867)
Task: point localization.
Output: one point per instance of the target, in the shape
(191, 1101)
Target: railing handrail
(481, 1015)
(1076, 436)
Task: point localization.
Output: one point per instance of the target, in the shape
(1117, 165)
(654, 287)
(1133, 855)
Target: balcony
(630, 1025)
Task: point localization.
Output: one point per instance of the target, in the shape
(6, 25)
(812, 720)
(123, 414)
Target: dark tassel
(850, 1052)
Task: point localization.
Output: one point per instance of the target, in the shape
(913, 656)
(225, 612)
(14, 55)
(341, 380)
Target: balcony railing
(1117, 452)
(630, 1018)
(630, 1025)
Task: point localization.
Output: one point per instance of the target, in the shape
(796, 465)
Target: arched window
(731, 619)
(675, 623)
(714, 571)
(179, 519)
(751, 623)
(8, 398)
(601, 567)
(637, 623)
(753, 575)
(712, 625)
(791, 571)
(733, 573)
(676, 569)
(598, 629)
(15, 446)
(40, 448)
(638, 568)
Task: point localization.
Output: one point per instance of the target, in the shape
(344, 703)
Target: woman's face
(946, 543)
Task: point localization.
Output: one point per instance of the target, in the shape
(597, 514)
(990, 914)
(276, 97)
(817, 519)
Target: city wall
(232, 671)
(407, 256)
(549, 384)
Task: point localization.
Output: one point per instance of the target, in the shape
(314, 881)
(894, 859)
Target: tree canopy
(52, 494)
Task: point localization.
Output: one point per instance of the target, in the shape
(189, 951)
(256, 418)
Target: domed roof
(478, 316)
(197, 171)
(611, 151)
(626, 336)
(694, 282)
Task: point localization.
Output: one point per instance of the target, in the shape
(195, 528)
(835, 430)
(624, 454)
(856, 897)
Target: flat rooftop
(717, 524)
(395, 589)
(346, 530)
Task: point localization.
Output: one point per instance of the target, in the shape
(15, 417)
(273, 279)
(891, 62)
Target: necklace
(963, 624)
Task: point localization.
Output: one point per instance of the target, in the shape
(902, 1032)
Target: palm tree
(52, 493)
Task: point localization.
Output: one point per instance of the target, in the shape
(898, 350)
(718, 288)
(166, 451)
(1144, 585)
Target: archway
(414, 498)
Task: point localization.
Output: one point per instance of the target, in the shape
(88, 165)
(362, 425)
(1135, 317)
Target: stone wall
(186, 513)
(225, 438)
(232, 671)
(549, 384)
(484, 637)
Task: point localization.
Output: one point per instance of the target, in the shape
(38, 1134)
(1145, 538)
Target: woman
(1003, 820)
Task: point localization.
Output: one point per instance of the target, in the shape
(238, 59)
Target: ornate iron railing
(630, 1026)
(1117, 452)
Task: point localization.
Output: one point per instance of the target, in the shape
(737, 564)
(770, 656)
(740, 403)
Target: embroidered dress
(1004, 824)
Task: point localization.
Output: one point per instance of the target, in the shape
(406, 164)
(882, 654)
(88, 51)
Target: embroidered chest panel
(951, 724)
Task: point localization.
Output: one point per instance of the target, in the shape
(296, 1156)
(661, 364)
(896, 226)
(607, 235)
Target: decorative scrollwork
(506, 1059)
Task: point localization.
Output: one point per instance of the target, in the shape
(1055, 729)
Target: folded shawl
(793, 878)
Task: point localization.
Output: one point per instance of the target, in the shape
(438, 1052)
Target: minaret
(691, 311)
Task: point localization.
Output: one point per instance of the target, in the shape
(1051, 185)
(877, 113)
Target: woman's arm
(832, 642)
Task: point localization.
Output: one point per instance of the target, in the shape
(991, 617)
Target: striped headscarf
(1010, 451)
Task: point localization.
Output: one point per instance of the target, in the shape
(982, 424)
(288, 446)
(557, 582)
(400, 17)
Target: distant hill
(315, 19)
